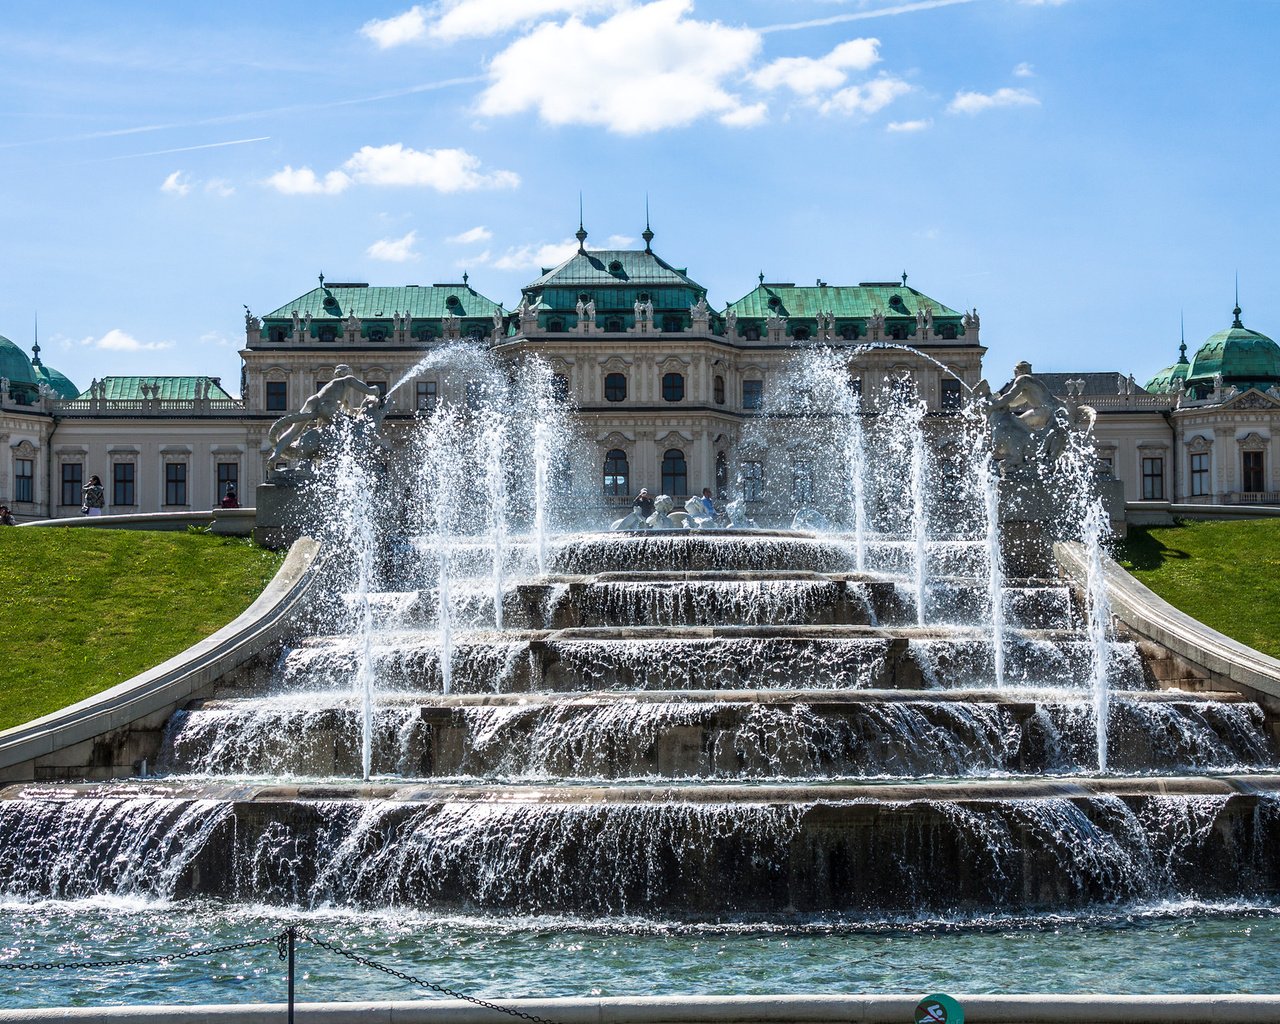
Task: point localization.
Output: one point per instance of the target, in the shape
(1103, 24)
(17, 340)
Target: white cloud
(908, 126)
(461, 19)
(808, 75)
(1024, 70)
(977, 102)
(746, 117)
(177, 184)
(303, 182)
(1042, 3)
(619, 242)
(219, 187)
(445, 170)
(641, 70)
(480, 233)
(394, 250)
(525, 257)
(865, 99)
(474, 261)
(403, 28)
(116, 340)
(215, 338)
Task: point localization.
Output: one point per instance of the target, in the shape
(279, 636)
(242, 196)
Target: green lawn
(83, 609)
(1226, 574)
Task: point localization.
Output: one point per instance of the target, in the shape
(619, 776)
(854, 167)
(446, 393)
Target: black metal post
(292, 935)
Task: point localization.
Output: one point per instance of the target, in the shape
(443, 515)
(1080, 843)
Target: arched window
(718, 388)
(559, 387)
(555, 325)
(377, 334)
(615, 387)
(613, 325)
(800, 334)
(849, 332)
(675, 473)
(722, 474)
(328, 332)
(898, 332)
(672, 324)
(947, 332)
(672, 387)
(617, 474)
(279, 334)
(752, 333)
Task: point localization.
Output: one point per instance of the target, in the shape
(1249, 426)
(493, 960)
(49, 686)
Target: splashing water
(995, 585)
(496, 482)
(1096, 529)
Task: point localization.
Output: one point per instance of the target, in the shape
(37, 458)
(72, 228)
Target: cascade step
(858, 850)
(744, 734)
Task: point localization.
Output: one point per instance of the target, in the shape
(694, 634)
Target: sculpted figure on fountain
(1030, 426)
(306, 434)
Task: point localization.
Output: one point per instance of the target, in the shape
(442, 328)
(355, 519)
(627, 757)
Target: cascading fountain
(870, 728)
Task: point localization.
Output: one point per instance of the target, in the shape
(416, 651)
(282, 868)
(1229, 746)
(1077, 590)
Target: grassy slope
(1226, 574)
(84, 609)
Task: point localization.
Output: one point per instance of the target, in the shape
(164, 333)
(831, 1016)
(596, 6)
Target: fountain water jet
(1095, 531)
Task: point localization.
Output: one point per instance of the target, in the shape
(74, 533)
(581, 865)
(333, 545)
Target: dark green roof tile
(123, 388)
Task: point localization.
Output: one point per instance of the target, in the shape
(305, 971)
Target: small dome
(1167, 379)
(14, 363)
(1243, 358)
(62, 387)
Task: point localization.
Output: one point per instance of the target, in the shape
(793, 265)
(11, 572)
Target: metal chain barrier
(374, 965)
(279, 941)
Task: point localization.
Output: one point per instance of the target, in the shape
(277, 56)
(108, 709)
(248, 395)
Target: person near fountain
(708, 503)
(6, 517)
(643, 505)
(230, 500)
(95, 497)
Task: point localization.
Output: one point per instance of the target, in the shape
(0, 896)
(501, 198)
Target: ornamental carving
(1199, 444)
(24, 449)
(1253, 441)
(1253, 400)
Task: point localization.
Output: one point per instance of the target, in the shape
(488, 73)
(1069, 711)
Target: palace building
(664, 384)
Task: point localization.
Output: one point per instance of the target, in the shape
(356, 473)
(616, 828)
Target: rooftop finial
(647, 233)
(904, 279)
(35, 347)
(1236, 312)
(465, 277)
(581, 233)
(322, 279)
(762, 277)
(1182, 335)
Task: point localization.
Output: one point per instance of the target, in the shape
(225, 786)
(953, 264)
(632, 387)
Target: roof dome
(1167, 379)
(1241, 356)
(14, 363)
(62, 387)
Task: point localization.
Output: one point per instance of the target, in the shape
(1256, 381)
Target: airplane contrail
(188, 149)
(882, 12)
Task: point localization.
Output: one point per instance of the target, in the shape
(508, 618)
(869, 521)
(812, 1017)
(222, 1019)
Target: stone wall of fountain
(874, 716)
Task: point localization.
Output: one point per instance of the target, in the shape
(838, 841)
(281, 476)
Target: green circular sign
(939, 1009)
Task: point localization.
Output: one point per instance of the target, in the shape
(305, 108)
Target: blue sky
(1079, 170)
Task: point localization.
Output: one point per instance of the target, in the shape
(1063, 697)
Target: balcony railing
(147, 407)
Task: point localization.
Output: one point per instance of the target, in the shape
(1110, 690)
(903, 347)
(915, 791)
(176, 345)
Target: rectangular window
(1153, 478)
(277, 395)
(753, 481)
(1106, 466)
(752, 394)
(175, 483)
(427, 391)
(228, 476)
(72, 483)
(122, 484)
(801, 482)
(951, 395)
(1199, 474)
(1253, 475)
(24, 480)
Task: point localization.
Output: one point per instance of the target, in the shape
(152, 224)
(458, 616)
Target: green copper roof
(1166, 380)
(1242, 356)
(121, 388)
(614, 267)
(14, 364)
(419, 301)
(843, 300)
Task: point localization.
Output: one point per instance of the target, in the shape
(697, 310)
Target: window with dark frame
(228, 476)
(753, 480)
(675, 473)
(615, 387)
(560, 387)
(175, 483)
(801, 482)
(277, 395)
(1253, 475)
(1199, 474)
(718, 390)
(752, 394)
(952, 396)
(426, 395)
(617, 473)
(672, 387)
(72, 483)
(124, 484)
(24, 480)
(1153, 478)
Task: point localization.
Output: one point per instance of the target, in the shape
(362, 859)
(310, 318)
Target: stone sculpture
(1030, 426)
(661, 519)
(631, 521)
(696, 517)
(730, 324)
(305, 434)
(737, 513)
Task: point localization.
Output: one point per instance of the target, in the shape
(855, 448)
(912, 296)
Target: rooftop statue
(306, 433)
(1030, 426)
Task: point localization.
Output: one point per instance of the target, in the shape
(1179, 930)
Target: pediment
(1254, 398)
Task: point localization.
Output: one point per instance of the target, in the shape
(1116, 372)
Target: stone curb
(237, 522)
(157, 692)
(865, 1009)
(1228, 662)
